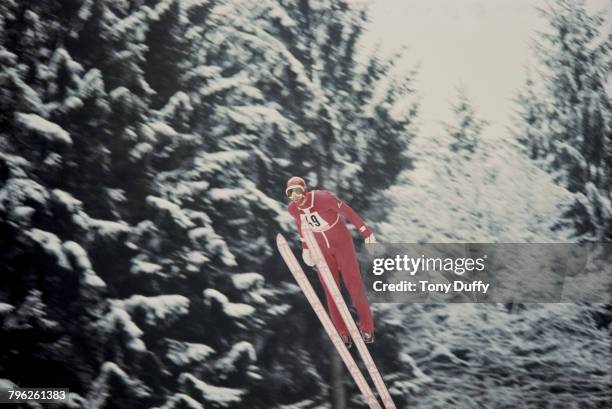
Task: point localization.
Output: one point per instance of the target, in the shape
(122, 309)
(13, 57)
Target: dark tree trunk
(337, 381)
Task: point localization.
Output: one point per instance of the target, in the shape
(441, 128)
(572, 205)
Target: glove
(307, 257)
(371, 246)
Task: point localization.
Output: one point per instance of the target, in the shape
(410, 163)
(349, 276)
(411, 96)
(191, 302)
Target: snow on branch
(50, 244)
(210, 240)
(6, 308)
(68, 202)
(119, 320)
(80, 260)
(235, 310)
(185, 353)
(16, 191)
(144, 267)
(103, 228)
(177, 102)
(240, 356)
(218, 161)
(174, 210)
(246, 281)
(158, 310)
(49, 130)
(113, 380)
(220, 396)
(260, 198)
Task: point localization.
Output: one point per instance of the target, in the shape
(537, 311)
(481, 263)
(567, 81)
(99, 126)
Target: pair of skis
(317, 306)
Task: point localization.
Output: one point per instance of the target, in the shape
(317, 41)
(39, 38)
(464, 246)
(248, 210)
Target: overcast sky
(482, 45)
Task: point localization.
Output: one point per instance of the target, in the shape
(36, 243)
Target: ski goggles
(290, 191)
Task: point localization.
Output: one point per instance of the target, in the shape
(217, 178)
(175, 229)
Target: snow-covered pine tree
(389, 110)
(467, 193)
(260, 91)
(48, 274)
(529, 120)
(567, 123)
(465, 129)
(361, 119)
(136, 207)
(363, 115)
(90, 210)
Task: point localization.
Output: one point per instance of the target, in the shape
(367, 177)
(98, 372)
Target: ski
(317, 306)
(330, 283)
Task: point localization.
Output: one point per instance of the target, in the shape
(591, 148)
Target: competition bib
(315, 221)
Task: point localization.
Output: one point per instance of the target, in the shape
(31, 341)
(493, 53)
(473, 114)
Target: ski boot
(347, 340)
(368, 338)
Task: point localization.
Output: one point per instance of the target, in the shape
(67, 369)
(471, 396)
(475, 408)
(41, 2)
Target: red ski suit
(322, 211)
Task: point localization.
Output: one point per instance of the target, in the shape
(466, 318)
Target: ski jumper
(322, 210)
